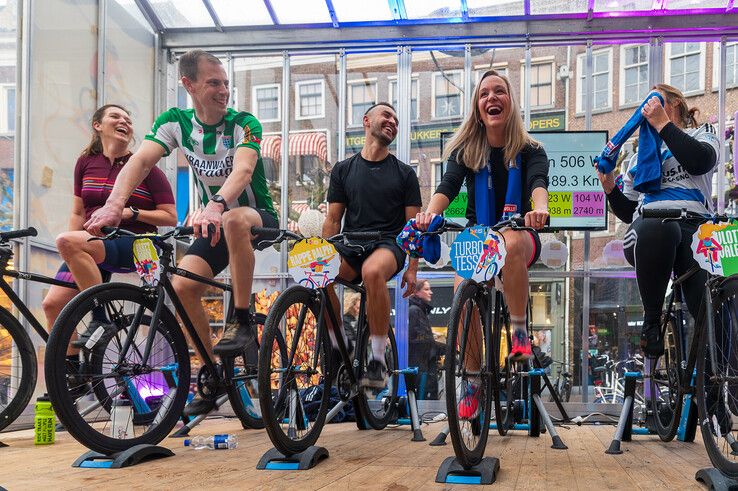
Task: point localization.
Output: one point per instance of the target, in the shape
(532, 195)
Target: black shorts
(118, 259)
(217, 256)
(356, 258)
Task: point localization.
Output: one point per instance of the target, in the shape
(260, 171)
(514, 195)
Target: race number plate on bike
(478, 253)
(147, 261)
(715, 248)
(313, 262)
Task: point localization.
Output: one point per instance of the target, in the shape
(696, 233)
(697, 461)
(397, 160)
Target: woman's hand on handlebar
(536, 219)
(423, 220)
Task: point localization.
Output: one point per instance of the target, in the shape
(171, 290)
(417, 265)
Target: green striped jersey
(210, 150)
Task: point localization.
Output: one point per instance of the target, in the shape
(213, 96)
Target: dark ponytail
(95, 145)
(691, 120)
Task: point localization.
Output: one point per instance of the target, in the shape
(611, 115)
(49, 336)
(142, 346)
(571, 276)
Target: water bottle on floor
(43, 422)
(121, 419)
(215, 442)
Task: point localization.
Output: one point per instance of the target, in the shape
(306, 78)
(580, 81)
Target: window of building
(311, 100)
(479, 71)
(361, 96)
(601, 80)
(265, 102)
(413, 96)
(633, 74)
(447, 101)
(541, 85)
(731, 65)
(685, 66)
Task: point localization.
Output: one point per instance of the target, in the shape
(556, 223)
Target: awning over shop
(312, 143)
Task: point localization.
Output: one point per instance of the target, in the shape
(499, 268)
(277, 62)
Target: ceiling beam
(213, 15)
(148, 12)
(272, 12)
(332, 12)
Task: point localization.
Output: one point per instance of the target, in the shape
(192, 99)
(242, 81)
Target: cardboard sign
(313, 262)
(478, 253)
(715, 248)
(146, 260)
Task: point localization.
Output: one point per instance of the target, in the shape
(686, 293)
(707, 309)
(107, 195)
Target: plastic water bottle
(215, 442)
(121, 419)
(44, 424)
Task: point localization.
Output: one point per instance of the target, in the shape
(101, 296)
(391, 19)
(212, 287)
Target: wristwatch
(135, 212)
(221, 200)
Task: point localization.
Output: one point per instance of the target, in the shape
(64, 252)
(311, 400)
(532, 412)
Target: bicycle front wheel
(665, 393)
(717, 380)
(509, 391)
(377, 405)
(468, 375)
(111, 366)
(295, 389)
(17, 368)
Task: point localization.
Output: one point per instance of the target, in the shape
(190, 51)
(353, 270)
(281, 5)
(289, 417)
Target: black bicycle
(712, 355)
(297, 407)
(481, 365)
(562, 383)
(18, 372)
(140, 355)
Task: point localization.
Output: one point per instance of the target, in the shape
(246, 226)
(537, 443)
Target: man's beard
(382, 137)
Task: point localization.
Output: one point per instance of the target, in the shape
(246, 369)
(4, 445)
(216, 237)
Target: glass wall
(8, 91)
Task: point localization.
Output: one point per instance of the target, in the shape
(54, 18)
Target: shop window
(634, 74)
(362, 95)
(7, 109)
(266, 102)
(447, 100)
(731, 65)
(311, 100)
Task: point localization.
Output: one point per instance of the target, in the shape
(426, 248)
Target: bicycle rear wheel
(17, 368)
(509, 387)
(717, 380)
(243, 387)
(157, 388)
(467, 346)
(378, 405)
(295, 390)
(665, 392)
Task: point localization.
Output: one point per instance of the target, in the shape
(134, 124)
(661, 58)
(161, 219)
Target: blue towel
(647, 172)
(484, 194)
(416, 245)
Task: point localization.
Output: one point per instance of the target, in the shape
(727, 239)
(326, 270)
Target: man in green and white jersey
(222, 147)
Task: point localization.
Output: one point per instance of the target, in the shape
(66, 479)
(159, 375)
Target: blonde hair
(674, 96)
(470, 140)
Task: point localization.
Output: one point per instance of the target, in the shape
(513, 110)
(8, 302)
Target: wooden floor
(365, 460)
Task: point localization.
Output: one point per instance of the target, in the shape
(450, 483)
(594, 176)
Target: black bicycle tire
(503, 420)
(56, 382)
(248, 421)
(466, 290)
(293, 295)
(667, 432)
(728, 289)
(361, 399)
(29, 373)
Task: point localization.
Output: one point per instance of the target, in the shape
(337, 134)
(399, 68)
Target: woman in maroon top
(151, 205)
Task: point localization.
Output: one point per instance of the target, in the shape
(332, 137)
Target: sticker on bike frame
(715, 248)
(313, 262)
(478, 253)
(147, 261)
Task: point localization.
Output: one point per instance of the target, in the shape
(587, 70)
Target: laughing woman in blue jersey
(506, 173)
(687, 158)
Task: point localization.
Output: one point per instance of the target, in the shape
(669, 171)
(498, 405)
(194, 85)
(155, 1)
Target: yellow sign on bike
(147, 261)
(313, 262)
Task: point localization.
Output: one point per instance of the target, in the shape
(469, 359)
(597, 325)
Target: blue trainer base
(714, 479)
(274, 460)
(452, 472)
(132, 456)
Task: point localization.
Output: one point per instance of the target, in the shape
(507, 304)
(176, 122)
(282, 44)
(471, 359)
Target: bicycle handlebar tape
(264, 231)
(182, 231)
(362, 235)
(661, 213)
(18, 234)
(108, 230)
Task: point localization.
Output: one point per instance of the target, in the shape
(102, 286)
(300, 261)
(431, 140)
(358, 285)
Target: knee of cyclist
(236, 223)
(372, 276)
(51, 305)
(186, 289)
(67, 244)
(515, 249)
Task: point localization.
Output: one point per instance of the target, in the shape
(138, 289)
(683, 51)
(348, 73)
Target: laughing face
(210, 90)
(382, 123)
(116, 125)
(494, 102)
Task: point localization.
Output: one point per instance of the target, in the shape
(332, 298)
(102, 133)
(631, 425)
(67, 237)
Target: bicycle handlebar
(280, 235)
(682, 214)
(115, 232)
(516, 222)
(18, 234)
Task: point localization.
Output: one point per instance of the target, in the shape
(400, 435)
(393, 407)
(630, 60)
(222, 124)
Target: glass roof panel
(495, 8)
(695, 4)
(432, 9)
(182, 13)
(544, 7)
(622, 5)
(301, 12)
(370, 10)
(242, 12)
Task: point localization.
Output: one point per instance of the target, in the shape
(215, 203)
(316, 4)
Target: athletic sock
(518, 323)
(379, 343)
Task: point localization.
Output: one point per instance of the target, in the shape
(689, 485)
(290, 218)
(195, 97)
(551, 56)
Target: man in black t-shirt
(374, 192)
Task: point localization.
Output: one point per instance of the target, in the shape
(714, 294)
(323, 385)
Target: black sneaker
(238, 338)
(96, 331)
(202, 404)
(375, 375)
(651, 342)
